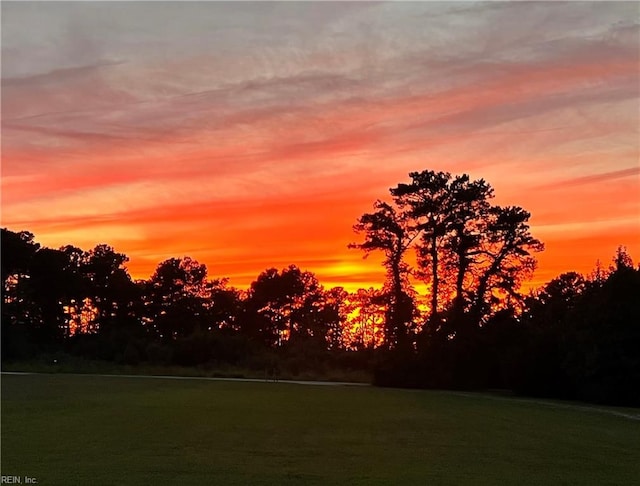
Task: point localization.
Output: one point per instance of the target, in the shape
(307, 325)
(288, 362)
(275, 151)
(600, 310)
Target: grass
(84, 430)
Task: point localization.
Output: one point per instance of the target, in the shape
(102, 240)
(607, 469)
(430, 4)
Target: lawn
(85, 430)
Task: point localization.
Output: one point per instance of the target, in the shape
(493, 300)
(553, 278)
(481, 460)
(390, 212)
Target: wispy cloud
(594, 178)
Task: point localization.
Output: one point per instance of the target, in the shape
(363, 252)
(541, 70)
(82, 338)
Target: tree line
(85, 303)
(577, 337)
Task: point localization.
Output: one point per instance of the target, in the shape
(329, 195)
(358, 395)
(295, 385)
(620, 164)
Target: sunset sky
(252, 135)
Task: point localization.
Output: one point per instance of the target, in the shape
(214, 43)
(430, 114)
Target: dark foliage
(576, 338)
(85, 304)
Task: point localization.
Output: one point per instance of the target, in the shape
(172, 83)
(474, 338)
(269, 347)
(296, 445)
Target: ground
(97, 430)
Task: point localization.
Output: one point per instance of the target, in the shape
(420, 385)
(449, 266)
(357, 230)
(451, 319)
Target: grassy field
(84, 430)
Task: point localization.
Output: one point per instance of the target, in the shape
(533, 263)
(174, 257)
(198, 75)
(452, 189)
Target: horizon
(253, 135)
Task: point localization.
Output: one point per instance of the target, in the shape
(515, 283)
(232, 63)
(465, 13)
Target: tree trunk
(435, 281)
(458, 303)
(398, 328)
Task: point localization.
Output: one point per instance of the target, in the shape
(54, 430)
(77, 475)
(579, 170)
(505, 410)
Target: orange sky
(252, 135)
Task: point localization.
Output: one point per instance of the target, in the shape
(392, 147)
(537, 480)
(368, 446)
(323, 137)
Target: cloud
(177, 121)
(593, 178)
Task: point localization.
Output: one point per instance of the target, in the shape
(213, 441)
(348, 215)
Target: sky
(253, 135)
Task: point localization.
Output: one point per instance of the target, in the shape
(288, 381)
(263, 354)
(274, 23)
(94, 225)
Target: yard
(97, 430)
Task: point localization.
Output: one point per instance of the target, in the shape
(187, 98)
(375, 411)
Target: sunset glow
(253, 135)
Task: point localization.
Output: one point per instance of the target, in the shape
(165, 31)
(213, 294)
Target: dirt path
(206, 378)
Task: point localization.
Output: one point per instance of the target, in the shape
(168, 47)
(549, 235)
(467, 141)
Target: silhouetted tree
(388, 231)
(554, 301)
(18, 309)
(18, 250)
(176, 299)
(334, 313)
(484, 251)
(545, 322)
(472, 255)
(426, 203)
(505, 259)
(583, 337)
(285, 306)
(56, 285)
(109, 287)
(602, 342)
(225, 303)
(366, 329)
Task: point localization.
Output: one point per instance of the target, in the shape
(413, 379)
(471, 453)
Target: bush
(131, 355)
(159, 354)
